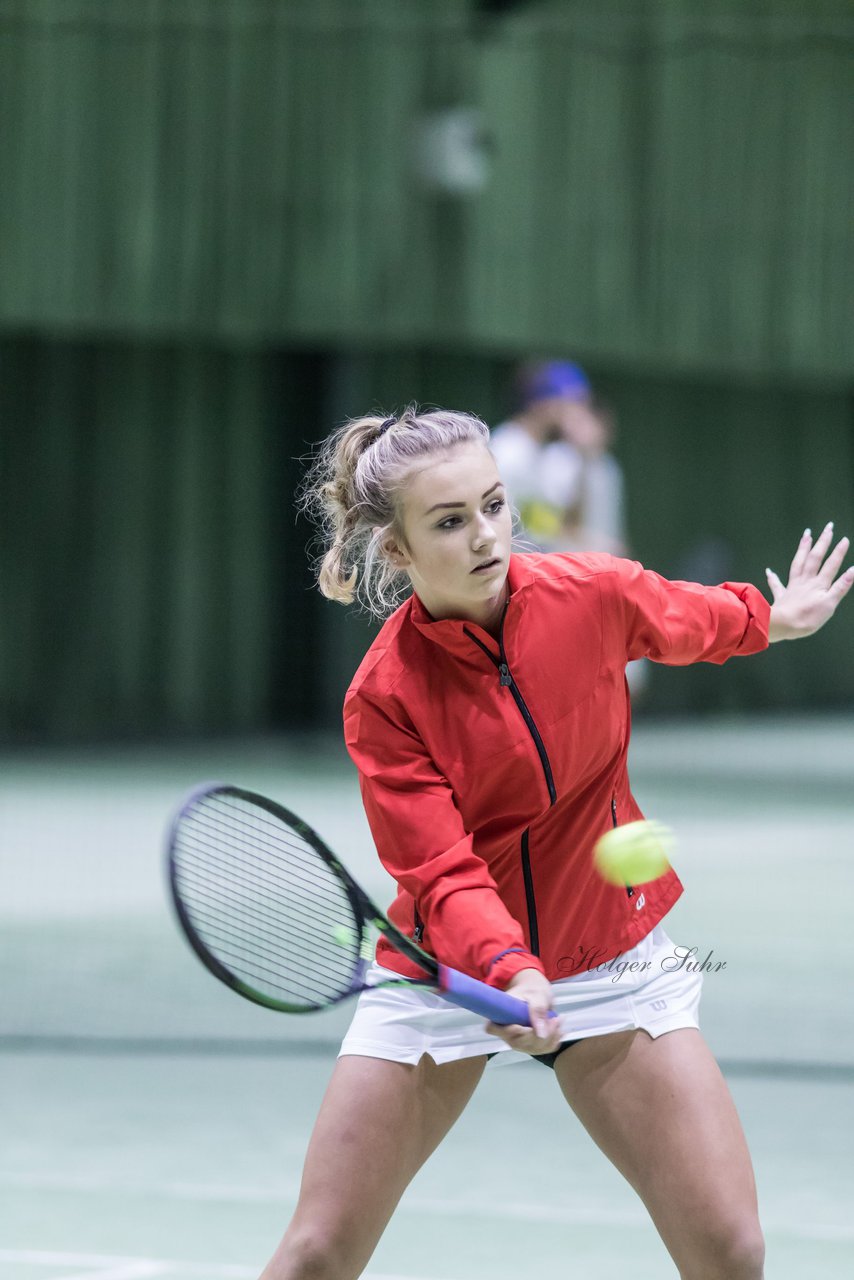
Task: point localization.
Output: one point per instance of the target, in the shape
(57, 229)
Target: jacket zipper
(418, 932)
(533, 927)
(507, 682)
(629, 889)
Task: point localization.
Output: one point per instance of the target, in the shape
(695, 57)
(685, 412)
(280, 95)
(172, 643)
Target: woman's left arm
(813, 591)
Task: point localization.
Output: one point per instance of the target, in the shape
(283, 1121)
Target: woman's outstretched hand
(813, 591)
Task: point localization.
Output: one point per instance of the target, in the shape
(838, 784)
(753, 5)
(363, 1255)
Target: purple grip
(479, 998)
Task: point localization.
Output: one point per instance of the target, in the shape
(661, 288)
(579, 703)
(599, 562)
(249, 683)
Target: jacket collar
(450, 632)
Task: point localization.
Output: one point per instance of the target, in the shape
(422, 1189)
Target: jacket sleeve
(422, 842)
(678, 623)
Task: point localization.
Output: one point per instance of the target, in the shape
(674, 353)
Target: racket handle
(476, 996)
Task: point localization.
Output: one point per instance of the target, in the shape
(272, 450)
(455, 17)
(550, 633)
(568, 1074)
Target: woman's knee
(747, 1252)
(732, 1252)
(313, 1252)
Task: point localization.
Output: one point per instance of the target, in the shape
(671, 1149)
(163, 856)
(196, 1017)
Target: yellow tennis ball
(633, 853)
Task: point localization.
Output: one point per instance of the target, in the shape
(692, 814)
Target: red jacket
(489, 768)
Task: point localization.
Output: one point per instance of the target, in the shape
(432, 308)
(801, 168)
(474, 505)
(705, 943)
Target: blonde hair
(352, 493)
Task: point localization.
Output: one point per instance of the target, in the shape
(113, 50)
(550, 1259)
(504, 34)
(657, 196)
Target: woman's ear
(393, 551)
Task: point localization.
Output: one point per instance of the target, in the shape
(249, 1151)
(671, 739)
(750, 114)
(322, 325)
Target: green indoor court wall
(230, 170)
(666, 183)
(669, 184)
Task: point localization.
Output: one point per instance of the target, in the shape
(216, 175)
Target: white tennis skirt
(652, 987)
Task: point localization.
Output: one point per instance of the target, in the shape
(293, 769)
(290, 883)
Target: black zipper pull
(506, 678)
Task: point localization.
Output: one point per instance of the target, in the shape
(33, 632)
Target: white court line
(105, 1267)
(139, 1270)
(110, 1268)
(130, 1272)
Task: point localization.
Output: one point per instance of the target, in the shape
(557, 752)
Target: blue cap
(554, 378)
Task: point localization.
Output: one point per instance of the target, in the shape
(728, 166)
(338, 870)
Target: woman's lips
(490, 564)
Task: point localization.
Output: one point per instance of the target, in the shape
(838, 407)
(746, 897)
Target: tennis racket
(273, 914)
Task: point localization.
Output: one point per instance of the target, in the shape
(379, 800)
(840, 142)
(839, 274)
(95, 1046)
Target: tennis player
(489, 723)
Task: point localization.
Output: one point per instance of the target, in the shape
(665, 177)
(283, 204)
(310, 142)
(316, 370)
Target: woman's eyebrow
(437, 505)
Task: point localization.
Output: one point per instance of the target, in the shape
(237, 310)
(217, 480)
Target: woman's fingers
(800, 557)
(813, 592)
(819, 551)
(775, 584)
(833, 563)
(809, 559)
(542, 1037)
(842, 586)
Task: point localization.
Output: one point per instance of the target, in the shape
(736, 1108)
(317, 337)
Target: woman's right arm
(422, 842)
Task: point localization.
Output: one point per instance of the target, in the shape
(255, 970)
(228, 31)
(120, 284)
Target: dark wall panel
(149, 540)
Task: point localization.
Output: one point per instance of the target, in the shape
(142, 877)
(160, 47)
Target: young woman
(489, 724)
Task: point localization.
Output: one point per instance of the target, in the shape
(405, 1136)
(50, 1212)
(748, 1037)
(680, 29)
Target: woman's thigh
(378, 1123)
(662, 1113)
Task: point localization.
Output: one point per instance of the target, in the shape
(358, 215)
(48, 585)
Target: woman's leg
(377, 1124)
(662, 1113)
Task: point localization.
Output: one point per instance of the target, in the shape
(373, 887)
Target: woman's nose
(483, 532)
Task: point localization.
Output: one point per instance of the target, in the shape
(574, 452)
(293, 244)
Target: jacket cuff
(755, 637)
(508, 965)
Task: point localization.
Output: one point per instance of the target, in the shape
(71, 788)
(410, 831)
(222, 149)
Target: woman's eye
(451, 522)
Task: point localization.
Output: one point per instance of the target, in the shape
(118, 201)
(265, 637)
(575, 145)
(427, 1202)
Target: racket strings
(211, 860)
(264, 870)
(255, 840)
(273, 954)
(264, 902)
(247, 871)
(264, 953)
(251, 965)
(238, 936)
(265, 923)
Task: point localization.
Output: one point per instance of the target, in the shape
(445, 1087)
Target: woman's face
(457, 534)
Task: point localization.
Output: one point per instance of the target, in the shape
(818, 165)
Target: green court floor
(153, 1124)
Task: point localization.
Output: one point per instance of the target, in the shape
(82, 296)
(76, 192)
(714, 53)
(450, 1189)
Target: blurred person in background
(554, 455)
(561, 477)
